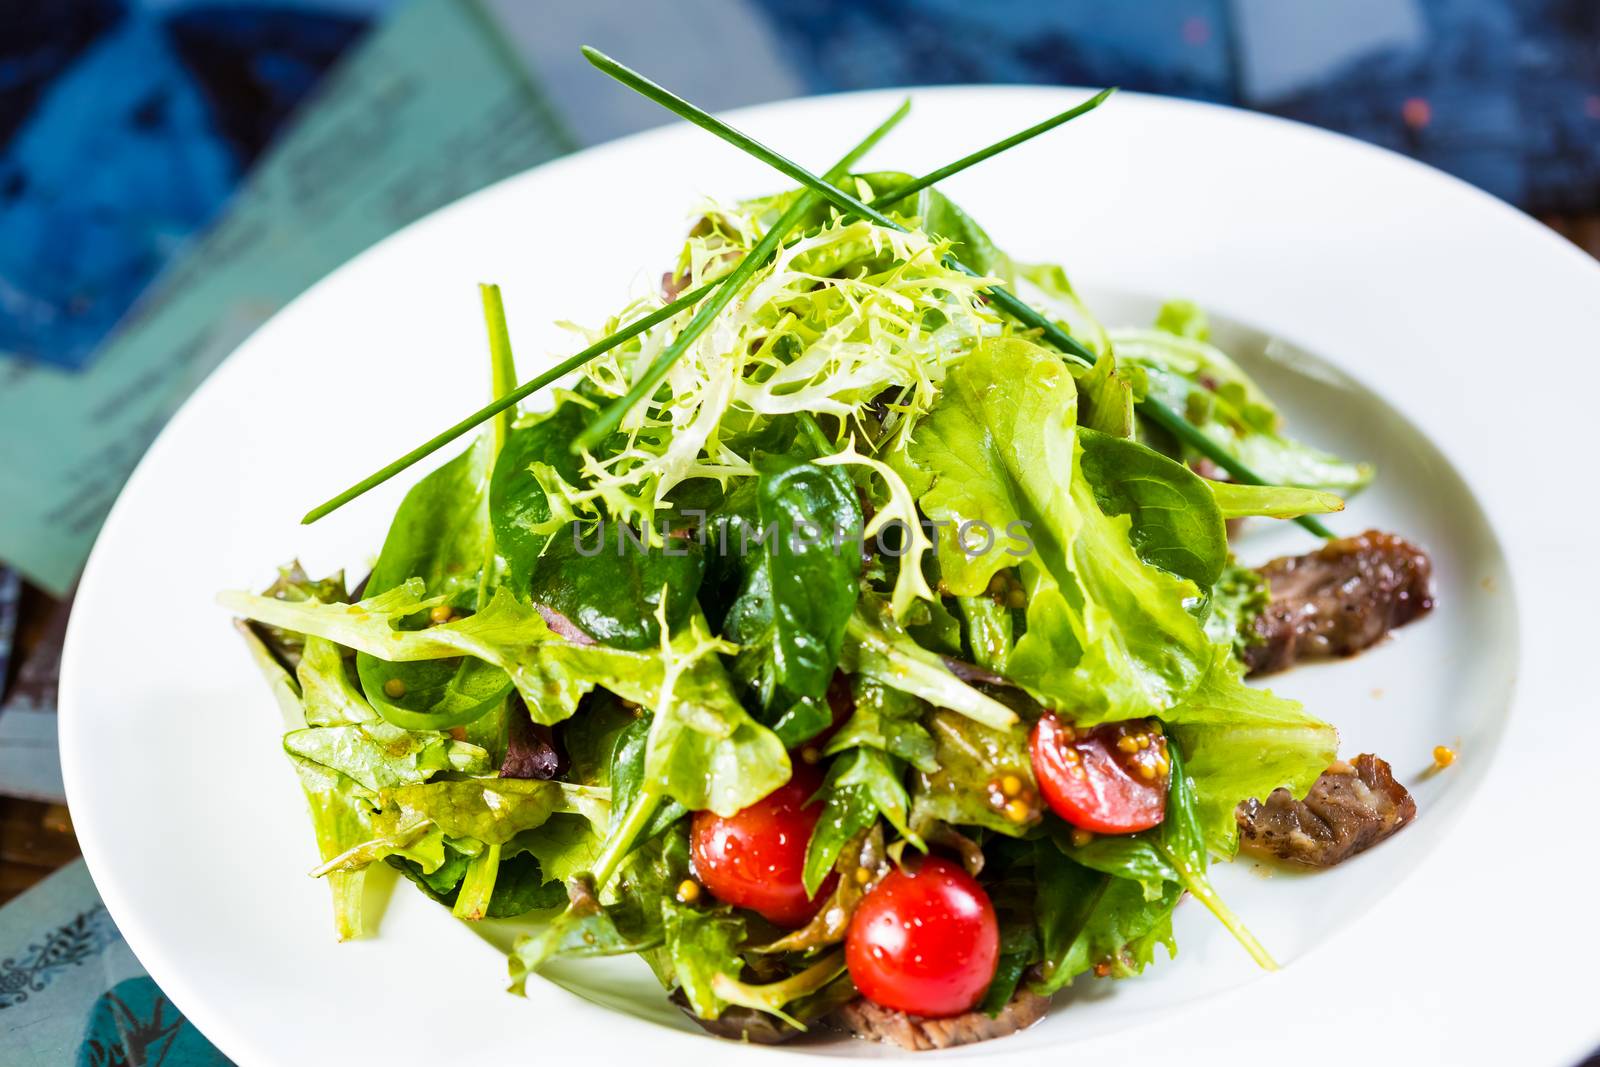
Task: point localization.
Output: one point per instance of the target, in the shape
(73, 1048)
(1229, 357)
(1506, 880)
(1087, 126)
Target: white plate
(1465, 939)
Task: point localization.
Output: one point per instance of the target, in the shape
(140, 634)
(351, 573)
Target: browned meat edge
(1340, 599)
(865, 1019)
(1350, 808)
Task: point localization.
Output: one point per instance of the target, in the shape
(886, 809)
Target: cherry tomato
(1110, 779)
(755, 858)
(924, 942)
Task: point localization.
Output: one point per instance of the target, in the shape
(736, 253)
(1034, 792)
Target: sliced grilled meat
(1340, 599)
(863, 1018)
(1351, 808)
(741, 1024)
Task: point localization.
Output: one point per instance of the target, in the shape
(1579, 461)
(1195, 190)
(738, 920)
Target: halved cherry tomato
(755, 858)
(924, 941)
(1110, 779)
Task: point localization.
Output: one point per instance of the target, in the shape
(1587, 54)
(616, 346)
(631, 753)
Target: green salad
(878, 650)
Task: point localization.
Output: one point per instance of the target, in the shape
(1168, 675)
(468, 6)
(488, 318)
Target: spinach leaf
(519, 887)
(799, 588)
(1089, 920)
(440, 883)
(701, 944)
(627, 776)
(989, 629)
(805, 719)
(611, 583)
(433, 694)
(632, 922)
(862, 863)
(1011, 881)
(1019, 949)
(534, 455)
(1177, 524)
(587, 929)
(969, 243)
(860, 785)
(590, 738)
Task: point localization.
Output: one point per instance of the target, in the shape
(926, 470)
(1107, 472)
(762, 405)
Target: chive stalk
(1000, 297)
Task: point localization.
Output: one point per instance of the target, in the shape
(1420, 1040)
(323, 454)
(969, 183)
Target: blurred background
(174, 171)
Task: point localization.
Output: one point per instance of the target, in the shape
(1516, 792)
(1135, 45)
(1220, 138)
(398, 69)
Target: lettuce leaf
(379, 755)
(704, 750)
(492, 810)
(340, 813)
(970, 757)
(886, 719)
(1108, 635)
(701, 945)
(1272, 501)
(1195, 377)
(879, 648)
(550, 672)
(440, 534)
(345, 735)
(1045, 286)
(1244, 742)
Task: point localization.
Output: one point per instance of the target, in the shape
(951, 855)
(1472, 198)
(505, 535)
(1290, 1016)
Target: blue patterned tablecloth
(72, 992)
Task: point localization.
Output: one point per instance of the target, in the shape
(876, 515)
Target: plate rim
(72, 717)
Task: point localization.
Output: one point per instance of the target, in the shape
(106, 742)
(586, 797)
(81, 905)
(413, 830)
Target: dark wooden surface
(35, 838)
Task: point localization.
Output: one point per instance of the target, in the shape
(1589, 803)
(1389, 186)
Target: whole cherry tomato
(1110, 779)
(755, 858)
(924, 941)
